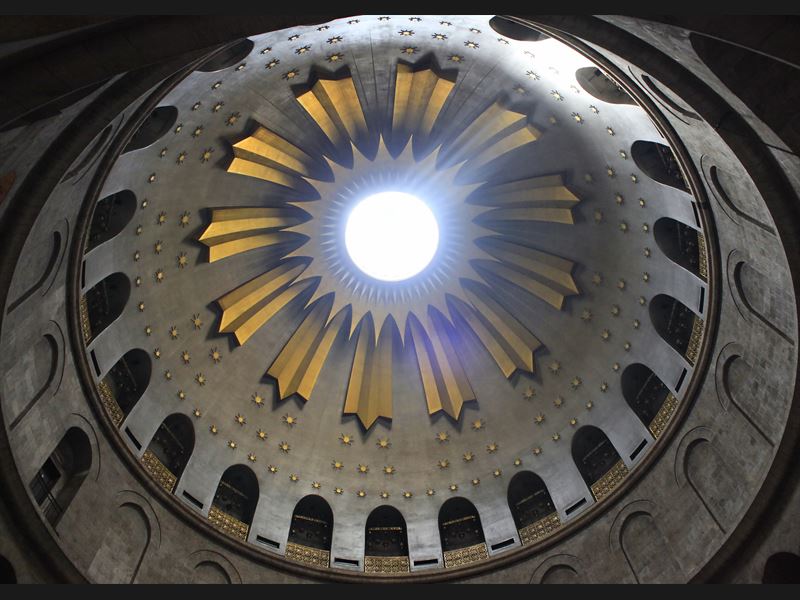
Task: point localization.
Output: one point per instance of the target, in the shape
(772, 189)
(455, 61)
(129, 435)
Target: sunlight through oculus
(391, 236)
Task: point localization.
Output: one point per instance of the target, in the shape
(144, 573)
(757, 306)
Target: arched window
(105, 302)
(111, 215)
(461, 533)
(531, 506)
(235, 501)
(125, 383)
(228, 57)
(675, 322)
(659, 163)
(169, 450)
(645, 393)
(782, 567)
(598, 84)
(157, 123)
(516, 31)
(386, 541)
(597, 460)
(680, 243)
(56, 483)
(312, 523)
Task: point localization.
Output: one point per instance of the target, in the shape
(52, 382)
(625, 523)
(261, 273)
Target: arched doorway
(125, 383)
(677, 324)
(597, 460)
(311, 532)
(235, 502)
(532, 507)
(461, 533)
(169, 450)
(386, 542)
(646, 394)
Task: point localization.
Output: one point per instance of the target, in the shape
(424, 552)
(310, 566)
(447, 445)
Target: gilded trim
(606, 484)
(540, 529)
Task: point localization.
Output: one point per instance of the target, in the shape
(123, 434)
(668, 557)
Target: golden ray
(296, 369)
(333, 104)
(419, 97)
(543, 198)
(508, 341)
(251, 305)
(235, 230)
(369, 391)
(267, 149)
(444, 380)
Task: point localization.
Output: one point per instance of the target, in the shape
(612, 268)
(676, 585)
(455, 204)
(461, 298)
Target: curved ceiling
(569, 289)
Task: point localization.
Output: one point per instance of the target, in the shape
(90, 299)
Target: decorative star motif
(232, 118)
(586, 314)
(476, 481)
(215, 85)
(293, 37)
(157, 353)
(140, 306)
(213, 429)
(215, 355)
(302, 49)
(539, 419)
(197, 131)
(573, 421)
(167, 375)
(384, 444)
(316, 485)
(196, 321)
(345, 439)
(183, 260)
(291, 74)
(597, 279)
(492, 447)
(361, 493)
(353, 21)
(575, 383)
(240, 419)
(468, 456)
(284, 447)
(533, 75)
(337, 464)
(206, 156)
(200, 379)
(162, 218)
(251, 457)
(471, 45)
(529, 394)
(384, 494)
(272, 469)
(294, 478)
(337, 490)
(558, 401)
(406, 32)
(273, 63)
(634, 178)
(621, 284)
(417, 19)
(610, 131)
(261, 434)
(173, 332)
(598, 216)
(556, 95)
(181, 158)
(604, 387)
(517, 462)
(619, 199)
(594, 109)
(363, 469)
(497, 472)
(456, 58)
(335, 39)
(148, 330)
(518, 89)
(430, 491)
(258, 399)
(442, 437)
(384, 18)
(231, 444)
(389, 470)
(610, 172)
(623, 154)
(636, 323)
(335, 57)
(537, 451)
(556, 437)
(555, 367)
(289, 420)
(615, 310)
(578, 119)
(443, 464)
(407, 495)
(159, 275)
(626, 346)
(241, 66)
(453, 487)
(178, 127)
(409, 50)
(605, 335)
(196, 105)
(478, 424)
(439, 36)
(186, 357)
(474, 30)
(163, 152)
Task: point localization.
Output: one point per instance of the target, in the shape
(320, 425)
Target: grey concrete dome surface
(593, 381)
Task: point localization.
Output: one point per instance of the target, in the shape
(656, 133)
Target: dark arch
(593, 453)
(658, 162)
(528, 499)
(111, 215)
(782, 567)
(7, 574)
(679, 242)
(157, 123)
(172, 445)
(516, 31)
(459, 524)
(599, 85)
(747, 74)
(312, 523)
(644, 391)
(128, 378)
(237, 494)
(674, 321)
(386, 533)
(58, 480)
(228, 57)
(106, 301)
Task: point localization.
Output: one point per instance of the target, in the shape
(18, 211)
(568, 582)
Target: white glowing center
(391, 236)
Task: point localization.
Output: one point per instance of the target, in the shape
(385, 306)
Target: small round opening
(391, 236)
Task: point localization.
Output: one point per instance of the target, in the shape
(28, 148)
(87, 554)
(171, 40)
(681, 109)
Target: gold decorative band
(660, 421)
(307, 555)
(386, 564)
(539, 529)
(228, 524)
(110, 403)
(165, 478)
(465, 556)
(606, 484)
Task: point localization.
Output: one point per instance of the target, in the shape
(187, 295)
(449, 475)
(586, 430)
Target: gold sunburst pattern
(427, 311)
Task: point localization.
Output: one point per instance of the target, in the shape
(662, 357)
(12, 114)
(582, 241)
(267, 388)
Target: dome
(577, 354)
